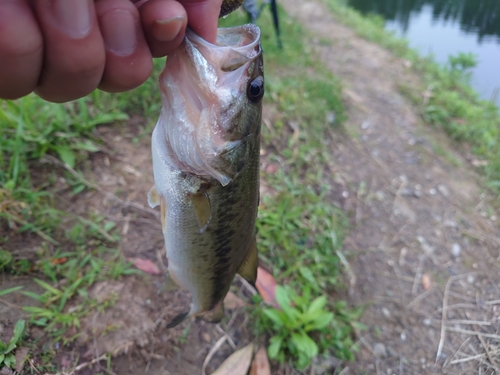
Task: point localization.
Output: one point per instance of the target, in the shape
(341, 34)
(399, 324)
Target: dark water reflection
(445, 27)
(481, 17)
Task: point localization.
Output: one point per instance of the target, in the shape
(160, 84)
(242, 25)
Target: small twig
(160, 318)
(10, 304)
(474, 333)
(459, 321)
(418, 274)
(94, 338)
(467, 359)
(398, 277)
(483, 343)
(151, 354)
(462, 296)
(211, 353)
(444, 311)
(481, 236)
(391, 276)
(347, 266)
(229, 339)
(84, 365)
(358, 203)
(457, 306)
(233, 319)
(33, 368)
(366, 343)
(419, 298)
(456, 352)
(246, 284)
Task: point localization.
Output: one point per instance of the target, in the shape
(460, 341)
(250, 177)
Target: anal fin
(215, 315)
(168, 285)
(248, 267)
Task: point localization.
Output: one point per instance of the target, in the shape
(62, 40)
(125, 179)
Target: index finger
(203, 16)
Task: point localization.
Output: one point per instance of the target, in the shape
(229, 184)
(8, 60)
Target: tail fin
(178, 320)
(212, 316)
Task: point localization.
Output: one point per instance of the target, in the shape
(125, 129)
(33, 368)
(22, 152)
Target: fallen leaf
(21, 355)
(426, 281)
(232, 301)
(266, 285)
(59, 260)
(237, 363)
(145, 265)
(260, 364)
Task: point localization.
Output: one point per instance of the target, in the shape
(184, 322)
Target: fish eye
(256, 89)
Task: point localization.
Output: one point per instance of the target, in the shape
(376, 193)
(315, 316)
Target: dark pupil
(255, 89)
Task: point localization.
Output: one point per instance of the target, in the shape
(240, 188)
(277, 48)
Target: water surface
(447, 27)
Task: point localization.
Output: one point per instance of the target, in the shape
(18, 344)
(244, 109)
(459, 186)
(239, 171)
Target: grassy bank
(44, 164)
(450, 102)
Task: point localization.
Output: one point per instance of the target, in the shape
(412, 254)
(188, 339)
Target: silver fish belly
(205, 150)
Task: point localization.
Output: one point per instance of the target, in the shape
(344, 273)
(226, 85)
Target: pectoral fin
(248, 267)
(154, 200)
(201, 205)
(153, 197)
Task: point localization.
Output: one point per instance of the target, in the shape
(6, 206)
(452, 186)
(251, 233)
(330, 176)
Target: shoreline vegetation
(447, 100)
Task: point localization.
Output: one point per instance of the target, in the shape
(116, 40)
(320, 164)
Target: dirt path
(419, 220)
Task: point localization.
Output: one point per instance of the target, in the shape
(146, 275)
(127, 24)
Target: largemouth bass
(205, 150)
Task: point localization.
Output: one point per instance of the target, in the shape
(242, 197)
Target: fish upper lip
(230, 37)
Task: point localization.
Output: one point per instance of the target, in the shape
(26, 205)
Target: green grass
(42, 143)
(453, 105)
(300, 231)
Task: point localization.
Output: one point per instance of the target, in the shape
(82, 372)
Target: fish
(205, 150)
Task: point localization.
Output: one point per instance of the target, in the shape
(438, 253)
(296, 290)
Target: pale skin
(65, 49)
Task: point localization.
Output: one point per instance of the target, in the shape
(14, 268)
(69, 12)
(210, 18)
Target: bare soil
(424, 238)
(423, 251)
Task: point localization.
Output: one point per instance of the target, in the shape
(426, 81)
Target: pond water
(448, 27)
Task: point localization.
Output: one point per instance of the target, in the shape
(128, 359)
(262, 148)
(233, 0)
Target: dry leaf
(266, 285)
(232, 301)
(145, 265)
(21, 355)
(426, 281)
(260, 363)
(237, 363)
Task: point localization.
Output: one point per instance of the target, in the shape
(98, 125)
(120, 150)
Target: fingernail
(119, 31)
(73, 17)
(167, 30)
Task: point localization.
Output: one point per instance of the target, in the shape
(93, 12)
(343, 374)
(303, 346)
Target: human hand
(65, 49)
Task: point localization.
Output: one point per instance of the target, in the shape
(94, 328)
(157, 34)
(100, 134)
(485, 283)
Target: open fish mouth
(205, 85)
